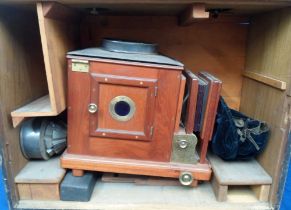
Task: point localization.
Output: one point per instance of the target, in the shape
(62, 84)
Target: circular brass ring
(125, 99)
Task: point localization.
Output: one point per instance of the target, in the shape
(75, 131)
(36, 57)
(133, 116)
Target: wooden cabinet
(247, 48)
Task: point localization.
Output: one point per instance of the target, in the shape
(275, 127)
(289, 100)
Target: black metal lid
(126, 51)
(128, 46)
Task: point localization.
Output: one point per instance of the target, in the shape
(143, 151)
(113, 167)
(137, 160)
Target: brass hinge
(152, 131)
(156, 91)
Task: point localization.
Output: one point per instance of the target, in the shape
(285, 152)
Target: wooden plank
(192, 82)
(175, 2)
(268, 48)
(45, 191)
(39, 107)
(139, 167)
(193, 13)
(117, 196)
(38, 191)
(24, 191)
(45, 171)
(57, 38)
(238, 172)
(219, 190)
(180, 103)
(22, 70)
(268, 54)
(40, 180)
(139, 180)
(266, 80)
(262, 192)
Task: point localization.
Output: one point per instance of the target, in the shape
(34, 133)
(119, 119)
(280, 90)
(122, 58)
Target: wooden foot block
(40, 180)
(219, 190)
(77, 172)
(262, 192)
(38, 191)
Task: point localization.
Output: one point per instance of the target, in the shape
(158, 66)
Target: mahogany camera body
(124, 117)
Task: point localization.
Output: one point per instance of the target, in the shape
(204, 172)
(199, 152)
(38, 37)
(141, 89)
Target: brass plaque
(80, 65)
(184, 148)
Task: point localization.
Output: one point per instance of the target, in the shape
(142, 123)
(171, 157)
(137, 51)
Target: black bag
(237, 136)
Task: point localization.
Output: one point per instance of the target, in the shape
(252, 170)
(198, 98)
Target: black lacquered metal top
(126, 51)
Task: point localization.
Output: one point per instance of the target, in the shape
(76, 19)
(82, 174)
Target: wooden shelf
(281, 85)
(39, 107)
(55, 24)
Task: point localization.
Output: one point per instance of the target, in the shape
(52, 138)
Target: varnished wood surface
(160, 146)
(105, 87)
(192, 82)
(150, 168)
(215, 47)
(180, 103)
(211, 106)
(39, 107)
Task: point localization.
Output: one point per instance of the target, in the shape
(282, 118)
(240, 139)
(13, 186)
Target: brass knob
(92, 108)
(186, 178)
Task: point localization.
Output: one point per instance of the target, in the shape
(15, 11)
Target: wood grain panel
(159, 148)
(150, 168)
(215, 47)
(180, 103)
(78, 115)
(104, 88)
(268, 54)
(57, 38)
(192, 82)
(22, 79)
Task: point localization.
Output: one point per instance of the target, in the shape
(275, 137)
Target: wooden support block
(193, 13)
(38, 191)
(262, 192)
(59, 11)
(39, 180)
(77, 172)
(239, 173)
(219, 190)
(16, 121)
(281, 85)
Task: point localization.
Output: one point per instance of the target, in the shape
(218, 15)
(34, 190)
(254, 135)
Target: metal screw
(183, 143)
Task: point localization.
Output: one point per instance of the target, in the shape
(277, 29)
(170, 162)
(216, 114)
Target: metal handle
(92, 108)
